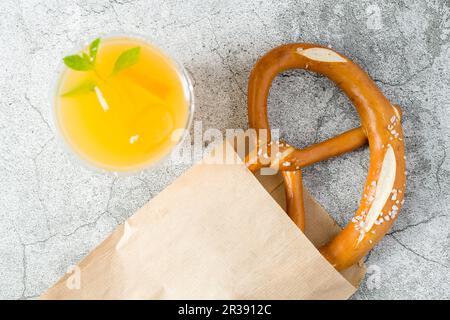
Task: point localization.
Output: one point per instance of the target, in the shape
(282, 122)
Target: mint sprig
(85, 87)
(93, 49)
(77, 62)
(86, 61)
(83, 61)
(126, 59)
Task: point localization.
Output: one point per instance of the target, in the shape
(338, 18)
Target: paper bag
(217, 232)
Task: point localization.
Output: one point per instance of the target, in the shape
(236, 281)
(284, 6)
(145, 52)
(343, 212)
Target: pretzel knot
(384, 188)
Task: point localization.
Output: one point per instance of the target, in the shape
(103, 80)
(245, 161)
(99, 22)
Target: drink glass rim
(184, 77)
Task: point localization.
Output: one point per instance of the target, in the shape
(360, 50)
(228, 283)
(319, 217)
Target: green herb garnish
(127, 59)
(86, 62)
(77, 62)
(85, 87)
(93, 49)
(83, 61)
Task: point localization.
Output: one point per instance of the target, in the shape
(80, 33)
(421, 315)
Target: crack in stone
(109, 6)
(24, 275)
(407, 80)
(416, 224)
(24, 261)
(233, 75)
(266, 28)
(319, 125)
(87, 224)
(116, 15)
(121, 2)
(46, 143)
(418, 254)
(402, 33)
(145, 184)
(26, 30)
(368, 256)
(414, 75)
(100, 11)
(434, 56)
(37, 176)
(32, 106)
(110, 193)
(438, 169)
(42, 202)
(25, 245)
(175, 24)
(321, 119)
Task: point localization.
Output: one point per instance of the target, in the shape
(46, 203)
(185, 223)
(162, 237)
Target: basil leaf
(127, 59)
(84, 87)
(93, 49)
(78, 63)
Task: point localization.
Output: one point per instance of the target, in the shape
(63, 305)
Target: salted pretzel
(384, 189)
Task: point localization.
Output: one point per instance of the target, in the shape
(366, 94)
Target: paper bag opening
(217, 232)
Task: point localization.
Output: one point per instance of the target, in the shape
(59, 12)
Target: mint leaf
(127, 59)
(86, 57)
(83, 61)
(93, 49)
(78, 63)
(84, 87)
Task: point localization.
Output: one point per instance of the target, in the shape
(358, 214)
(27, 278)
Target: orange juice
(122, 119)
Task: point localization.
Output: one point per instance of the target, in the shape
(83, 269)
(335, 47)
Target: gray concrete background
(53, 211)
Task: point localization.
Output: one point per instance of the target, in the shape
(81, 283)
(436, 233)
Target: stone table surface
(53, 211)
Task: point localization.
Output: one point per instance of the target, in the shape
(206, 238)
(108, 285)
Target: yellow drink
(123, 121)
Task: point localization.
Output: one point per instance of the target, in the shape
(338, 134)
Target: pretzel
(380, 125)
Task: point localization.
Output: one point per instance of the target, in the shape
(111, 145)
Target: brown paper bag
(215, 233)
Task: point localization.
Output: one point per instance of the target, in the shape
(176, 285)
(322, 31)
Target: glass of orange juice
(119, 101)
